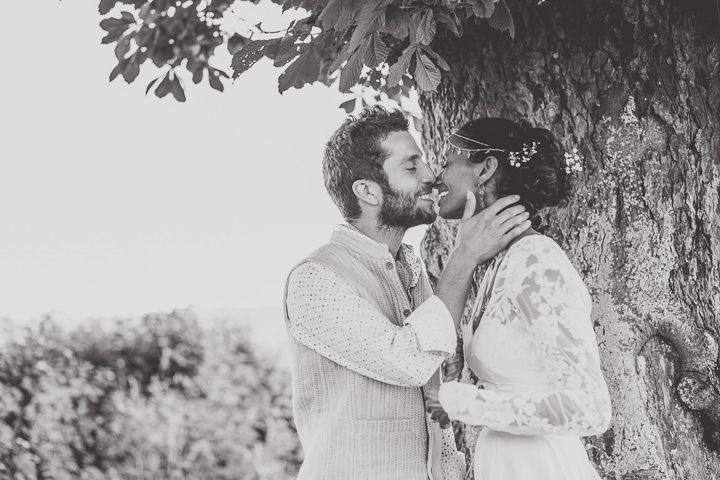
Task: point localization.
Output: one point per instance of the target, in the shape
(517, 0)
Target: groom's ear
(486, 169)
(367, 192)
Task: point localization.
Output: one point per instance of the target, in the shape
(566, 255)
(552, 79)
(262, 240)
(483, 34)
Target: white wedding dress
(535, 353)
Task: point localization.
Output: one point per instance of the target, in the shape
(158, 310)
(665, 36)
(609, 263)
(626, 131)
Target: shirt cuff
(434, 327)
(456, 397)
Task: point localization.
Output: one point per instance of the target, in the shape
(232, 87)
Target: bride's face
(457, 177)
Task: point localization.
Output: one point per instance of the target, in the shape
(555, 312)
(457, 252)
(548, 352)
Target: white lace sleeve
(551, 305)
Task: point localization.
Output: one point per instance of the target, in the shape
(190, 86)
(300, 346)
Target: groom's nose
(428, 176)
(438, 181)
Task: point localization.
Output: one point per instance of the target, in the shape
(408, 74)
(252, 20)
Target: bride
(529, 340)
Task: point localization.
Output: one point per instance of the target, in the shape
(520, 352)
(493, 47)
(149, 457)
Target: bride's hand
(480, 237)
(433, 407)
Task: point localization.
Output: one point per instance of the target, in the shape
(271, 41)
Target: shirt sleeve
(552, 307)
(327, 316)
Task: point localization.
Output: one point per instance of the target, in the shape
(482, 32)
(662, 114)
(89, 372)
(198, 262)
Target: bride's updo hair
(531, 162)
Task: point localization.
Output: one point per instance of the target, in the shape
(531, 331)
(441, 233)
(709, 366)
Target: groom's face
(407, 199)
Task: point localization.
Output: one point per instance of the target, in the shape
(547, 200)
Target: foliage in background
(160, 398)
(382, 45)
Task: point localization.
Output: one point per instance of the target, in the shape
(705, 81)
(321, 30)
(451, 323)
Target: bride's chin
(448, 214)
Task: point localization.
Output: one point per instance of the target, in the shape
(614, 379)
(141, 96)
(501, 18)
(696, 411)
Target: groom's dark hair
(354, 153)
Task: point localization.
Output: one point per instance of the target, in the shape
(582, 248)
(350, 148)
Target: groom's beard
(400, 211)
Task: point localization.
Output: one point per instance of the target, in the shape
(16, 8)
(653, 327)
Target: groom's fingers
(517, 230)
(502, 204)
(510, 214)
(445, 421)
(469, 205)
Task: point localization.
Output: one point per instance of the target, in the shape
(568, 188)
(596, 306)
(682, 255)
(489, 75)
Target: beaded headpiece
(573, 161)
(481, 146)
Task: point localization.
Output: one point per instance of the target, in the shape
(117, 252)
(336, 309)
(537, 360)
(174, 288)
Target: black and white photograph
(360, 240)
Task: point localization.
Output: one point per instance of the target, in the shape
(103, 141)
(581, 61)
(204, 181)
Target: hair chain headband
(484, 147)
(573, 161)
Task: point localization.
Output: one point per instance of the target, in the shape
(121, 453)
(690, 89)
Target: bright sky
(115, 203)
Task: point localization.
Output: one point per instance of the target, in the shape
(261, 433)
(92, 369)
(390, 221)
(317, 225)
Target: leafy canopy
(385, 45)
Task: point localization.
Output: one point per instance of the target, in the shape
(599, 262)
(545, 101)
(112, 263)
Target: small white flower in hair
(528, 150)
(573, 162)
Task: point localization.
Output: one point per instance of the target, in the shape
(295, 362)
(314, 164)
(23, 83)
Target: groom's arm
(327, 316)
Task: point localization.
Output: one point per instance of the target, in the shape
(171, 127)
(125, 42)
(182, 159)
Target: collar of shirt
(353, 238)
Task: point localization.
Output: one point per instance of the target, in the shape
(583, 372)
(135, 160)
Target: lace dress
(535, 353)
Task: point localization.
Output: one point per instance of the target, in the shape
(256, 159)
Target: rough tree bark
(634, 85)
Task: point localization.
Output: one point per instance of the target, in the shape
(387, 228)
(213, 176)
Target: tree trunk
(634, 86)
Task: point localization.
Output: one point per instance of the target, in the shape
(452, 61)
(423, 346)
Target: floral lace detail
(546, 377)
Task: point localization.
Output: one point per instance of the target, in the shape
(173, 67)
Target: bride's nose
(438, 180)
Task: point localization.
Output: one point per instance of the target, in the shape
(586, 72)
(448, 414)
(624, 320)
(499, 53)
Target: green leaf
(115, 28)
(235, 43)
(373, 79)
(122, 47)
(248, 55)
(119, 68)
(397, 22)
(427, 27)
(287, 50)
(150, 85)
(350, 74)
(339, 15)
(164, 87)
(131, 70)
(483, 8)
(370, 19)
(346, 20)
(398, 69)
(426, 73)
(152, 82)
(177, 90)
(128, 17)
(197, 68)
(340, 59)
(451, 22)
(106, 6)
(502, 19)
(349, 106)
(441, 62)
(305, 69)
(332, 13)
(214, 79)
(375, 51)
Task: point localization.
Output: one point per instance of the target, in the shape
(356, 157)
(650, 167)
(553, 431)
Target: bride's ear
(486, 169)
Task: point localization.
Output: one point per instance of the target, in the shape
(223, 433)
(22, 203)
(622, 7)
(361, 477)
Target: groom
(367, 333)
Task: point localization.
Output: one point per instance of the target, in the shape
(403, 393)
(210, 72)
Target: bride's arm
(554, 309)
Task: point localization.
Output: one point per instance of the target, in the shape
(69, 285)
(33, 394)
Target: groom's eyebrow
(411, 158)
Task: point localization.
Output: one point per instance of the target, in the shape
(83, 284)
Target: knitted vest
(353, 427)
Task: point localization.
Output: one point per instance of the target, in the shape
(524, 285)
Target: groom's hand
(433, 407)
(480, 237)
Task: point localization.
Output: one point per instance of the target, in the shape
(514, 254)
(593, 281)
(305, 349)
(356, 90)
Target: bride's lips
(438, 197)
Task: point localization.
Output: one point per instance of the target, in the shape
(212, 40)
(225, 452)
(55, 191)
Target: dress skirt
(505, 456)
